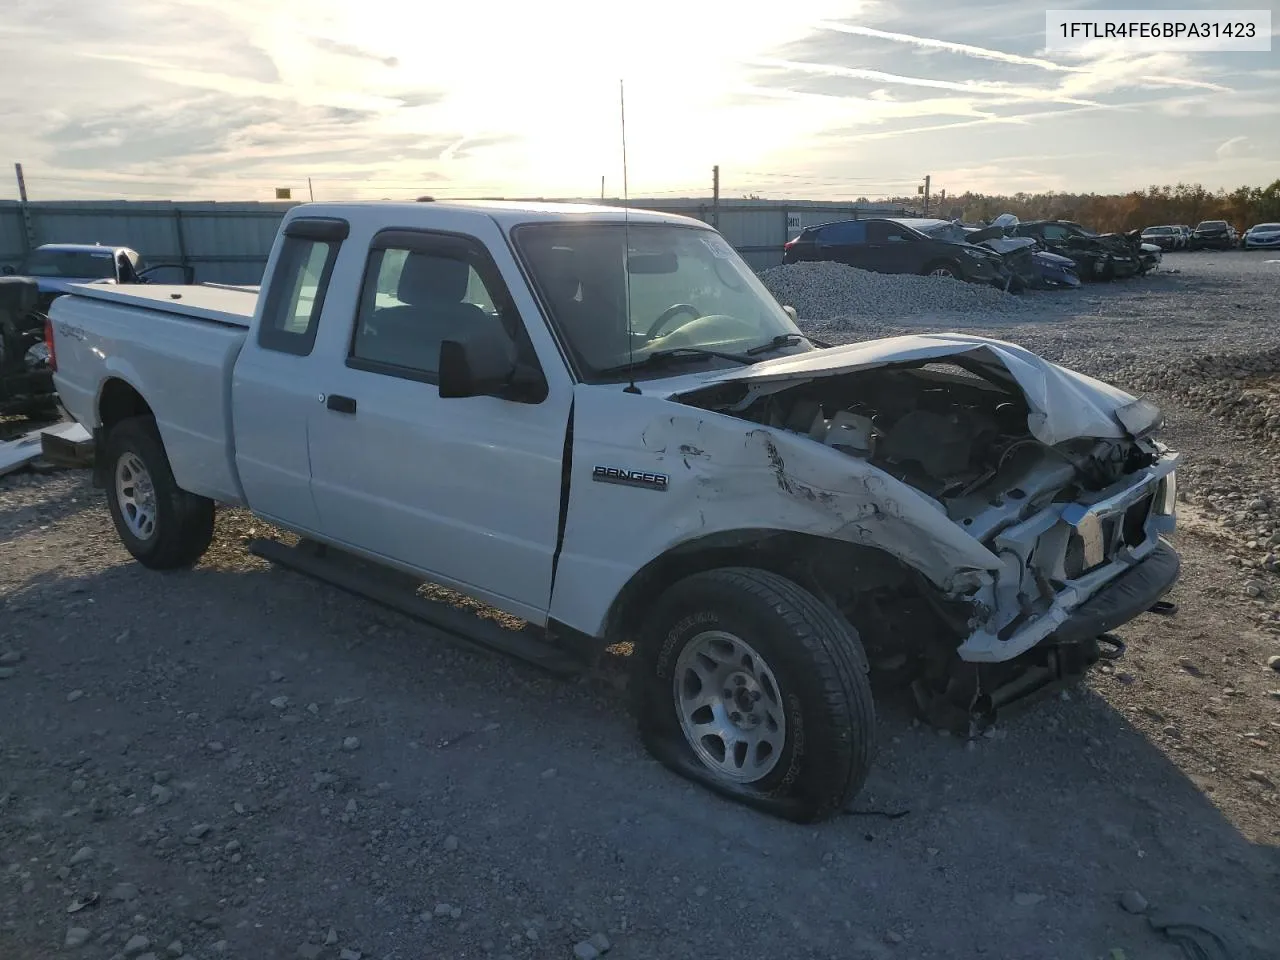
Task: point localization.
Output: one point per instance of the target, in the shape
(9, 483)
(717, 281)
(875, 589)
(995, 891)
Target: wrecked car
(1017, 268)
(886, 245)
(56, 267)
(1028, 265)
(601, 423)
(1097, 256)
(26, 381)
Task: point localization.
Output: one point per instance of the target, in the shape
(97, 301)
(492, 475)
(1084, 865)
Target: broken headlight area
(1064, 521)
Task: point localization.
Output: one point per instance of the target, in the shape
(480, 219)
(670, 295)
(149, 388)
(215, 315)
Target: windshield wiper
(660, 357)
(783, 340)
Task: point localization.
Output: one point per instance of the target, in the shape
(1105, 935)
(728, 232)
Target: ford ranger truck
(600, 422)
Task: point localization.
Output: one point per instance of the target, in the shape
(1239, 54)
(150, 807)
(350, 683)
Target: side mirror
(791, 312)
(9, 270)
(482, 364)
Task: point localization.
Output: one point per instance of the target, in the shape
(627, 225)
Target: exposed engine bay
(951, 434)
(962, 437)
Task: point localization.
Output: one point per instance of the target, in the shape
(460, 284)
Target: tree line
(1184, 203)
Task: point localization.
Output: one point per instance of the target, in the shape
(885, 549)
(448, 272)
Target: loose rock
(600, 942)
(137, 944)
(351, 743)
(81, 855)
(1133, 902)
(1028, 899)
(76, 937)
(123, 892)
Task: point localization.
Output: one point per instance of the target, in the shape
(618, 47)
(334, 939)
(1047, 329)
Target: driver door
(890, 249)
(466, 490)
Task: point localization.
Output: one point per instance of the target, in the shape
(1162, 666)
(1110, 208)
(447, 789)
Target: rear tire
(163, 526)
(795, 736)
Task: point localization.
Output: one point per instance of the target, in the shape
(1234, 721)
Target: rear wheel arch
(119, 400)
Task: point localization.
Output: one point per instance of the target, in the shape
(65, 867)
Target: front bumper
(1060, 562)
(1126, 597)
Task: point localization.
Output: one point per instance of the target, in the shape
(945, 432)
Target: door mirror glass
(483, 363)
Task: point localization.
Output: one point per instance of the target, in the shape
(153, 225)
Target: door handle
(340, 404)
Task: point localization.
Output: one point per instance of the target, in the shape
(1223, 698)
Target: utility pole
(28, 229)
(926, 194)
(715, 196)
(602, 186)
(310, 193)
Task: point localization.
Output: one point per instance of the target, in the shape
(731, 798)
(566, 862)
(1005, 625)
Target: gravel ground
(238, 762)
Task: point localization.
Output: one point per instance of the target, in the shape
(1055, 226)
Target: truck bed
(218, 303)
(177, 346)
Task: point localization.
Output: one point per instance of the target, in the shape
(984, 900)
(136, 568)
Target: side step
(398, 592)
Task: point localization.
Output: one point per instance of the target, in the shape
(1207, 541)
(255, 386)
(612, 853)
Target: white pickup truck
(603, 424)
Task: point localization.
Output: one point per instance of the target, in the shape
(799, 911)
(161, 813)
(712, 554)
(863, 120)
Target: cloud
(351, 50)
(966, 49)
(1235, 147)
(228, 98)
(959, 86)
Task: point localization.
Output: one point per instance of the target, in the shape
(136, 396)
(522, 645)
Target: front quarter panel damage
(726, 474)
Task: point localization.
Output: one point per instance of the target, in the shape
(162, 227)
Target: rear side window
(297, 287)
(883, 232)
(848, 231)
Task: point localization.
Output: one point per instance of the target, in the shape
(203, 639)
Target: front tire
(161, 525)
(943, 269)
(751, 686)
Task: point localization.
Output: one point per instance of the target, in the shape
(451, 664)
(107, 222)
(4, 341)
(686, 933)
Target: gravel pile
(833, 292)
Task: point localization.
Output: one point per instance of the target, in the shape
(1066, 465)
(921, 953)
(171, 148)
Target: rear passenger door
(465, 490)
(272, 391)
(843, 242)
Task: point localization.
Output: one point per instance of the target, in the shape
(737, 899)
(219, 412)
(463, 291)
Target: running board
(397, 591)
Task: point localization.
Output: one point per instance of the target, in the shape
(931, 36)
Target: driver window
(1055, 232)
(414, 301)
(880, 232)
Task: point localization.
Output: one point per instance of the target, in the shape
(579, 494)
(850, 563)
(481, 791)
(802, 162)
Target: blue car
(1053, 270)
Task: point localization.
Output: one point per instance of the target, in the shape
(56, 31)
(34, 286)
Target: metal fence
(230, 242)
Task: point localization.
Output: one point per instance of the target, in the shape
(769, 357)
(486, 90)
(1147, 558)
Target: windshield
(1268, 227)
(1157, 231)
(79, 264)
(688, 289)
(1211, 224)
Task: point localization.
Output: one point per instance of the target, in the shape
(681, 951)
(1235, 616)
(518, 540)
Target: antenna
(626, 244)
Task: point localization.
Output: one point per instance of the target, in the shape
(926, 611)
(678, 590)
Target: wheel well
(119, 401)
(833, 570)
(941, 262)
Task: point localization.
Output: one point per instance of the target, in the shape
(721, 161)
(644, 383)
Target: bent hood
(1063, 404)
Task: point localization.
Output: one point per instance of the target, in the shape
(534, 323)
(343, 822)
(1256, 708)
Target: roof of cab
(507, 213)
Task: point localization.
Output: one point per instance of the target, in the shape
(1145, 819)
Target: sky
(818, 99)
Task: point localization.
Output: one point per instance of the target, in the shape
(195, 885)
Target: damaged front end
(1059, 477)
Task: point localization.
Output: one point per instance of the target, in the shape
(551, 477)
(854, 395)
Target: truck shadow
(1019, 845)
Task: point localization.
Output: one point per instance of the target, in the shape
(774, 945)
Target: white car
(602, 424)
(1263, 235)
